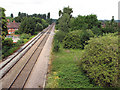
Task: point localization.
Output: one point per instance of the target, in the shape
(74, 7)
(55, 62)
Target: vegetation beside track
(98, 64)
(10, 47)
(65, 71)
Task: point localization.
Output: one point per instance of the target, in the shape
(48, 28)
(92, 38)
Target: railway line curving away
(15, 71)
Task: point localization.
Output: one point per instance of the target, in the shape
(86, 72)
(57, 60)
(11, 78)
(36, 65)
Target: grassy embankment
(65, 71)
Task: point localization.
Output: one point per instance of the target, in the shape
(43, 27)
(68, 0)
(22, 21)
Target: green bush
(59, 36)
(7, 42)
(77, 39)
(25, 36)
(100, 60)
(25, 40)
(20, 42)
(56, 46)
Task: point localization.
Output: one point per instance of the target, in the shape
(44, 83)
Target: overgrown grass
(65, 71)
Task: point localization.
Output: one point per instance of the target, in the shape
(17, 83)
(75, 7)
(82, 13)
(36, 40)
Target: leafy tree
(48, 15)
(19, 14)
(38, 27)
(110, 27)
(85, 22)
(64, 23)
(67, 10)
(64, 20)
(28, 26)
(8, 42)
(11, 15)
(3, 22)
(60, 13)
(92, 20)
(44, 23)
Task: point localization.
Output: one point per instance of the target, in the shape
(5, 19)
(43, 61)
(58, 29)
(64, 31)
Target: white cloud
(104, 9)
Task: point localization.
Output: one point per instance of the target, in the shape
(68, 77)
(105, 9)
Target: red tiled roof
(13, 25)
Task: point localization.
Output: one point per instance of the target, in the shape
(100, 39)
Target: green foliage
(38, 27)
(11, 15)
(100, 60)
(56, 46)
(76, 39)
(9, 47)
(59, 36)
(7, 42)
(6, 45)
(65, 73)
(3, 21)
(17, 32)
(48, 15)
(25, 40)
(97, 31)
(85, 22)
(10, 19)
(110, 27)
(44, 23)
(28, 26)
(63, 22)
(25, 36)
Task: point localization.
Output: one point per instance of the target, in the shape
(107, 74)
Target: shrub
(59, 36)
(100, 60)
(97, 31)
(25, 36)
(56, 46)
(77, 38)
(25, 40)
(20, 42)
(8, 42)
(17, 32)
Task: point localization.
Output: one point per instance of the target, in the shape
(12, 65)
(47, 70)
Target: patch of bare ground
(68, 51)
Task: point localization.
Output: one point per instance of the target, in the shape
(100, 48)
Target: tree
(48, 15)
(3, 22)
(28, 26)
(67, 10)
(38, 27)
(19, 14)
(60, 13)
(64, 20)
(11, 15)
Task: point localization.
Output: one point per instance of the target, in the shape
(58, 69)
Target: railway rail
(16, 71)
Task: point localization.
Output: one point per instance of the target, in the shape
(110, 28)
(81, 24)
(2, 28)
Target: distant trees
(110, 26)
(28, 26)
(85, 22)
(32, 25)
(38, 27)
(23, 15)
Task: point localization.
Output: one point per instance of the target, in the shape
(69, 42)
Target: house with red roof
(12, 27)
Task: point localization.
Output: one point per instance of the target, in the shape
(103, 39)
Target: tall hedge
(77, 39)
(100, 60)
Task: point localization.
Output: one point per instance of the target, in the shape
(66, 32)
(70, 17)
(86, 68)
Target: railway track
(18, 73)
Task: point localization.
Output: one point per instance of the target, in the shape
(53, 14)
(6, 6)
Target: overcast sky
(104, 9)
